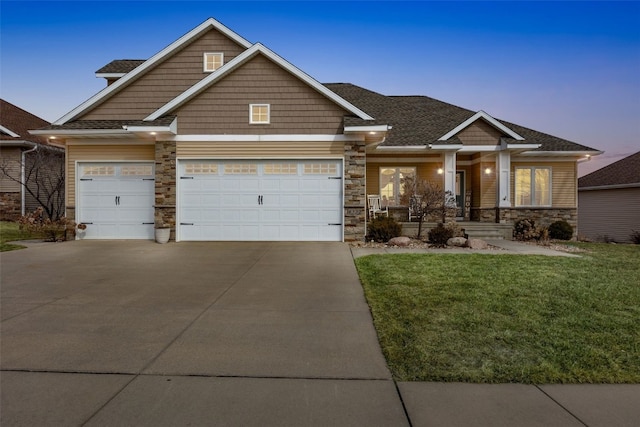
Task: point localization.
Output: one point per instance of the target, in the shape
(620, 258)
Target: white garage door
(260, 200)
(116, 200)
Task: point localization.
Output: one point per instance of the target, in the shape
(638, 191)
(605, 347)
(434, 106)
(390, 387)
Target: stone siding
(355, 212)
(165, 186)
(10, 206)
(542, 216)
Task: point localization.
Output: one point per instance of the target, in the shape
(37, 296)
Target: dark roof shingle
(121, 66)
(420, 120)
(20, 122)
(623, 172)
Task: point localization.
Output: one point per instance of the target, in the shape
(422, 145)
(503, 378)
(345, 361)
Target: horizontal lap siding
(480, 133)
(77, 153)
(295, 107)
(563, 182)
(609, 214)
(258, 150)
(166, 81)
(11, 157)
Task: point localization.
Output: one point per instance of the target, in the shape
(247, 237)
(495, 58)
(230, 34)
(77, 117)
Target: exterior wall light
(487, 171)
(440, 171)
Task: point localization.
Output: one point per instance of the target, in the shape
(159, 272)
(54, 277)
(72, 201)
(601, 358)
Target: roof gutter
(610, 187)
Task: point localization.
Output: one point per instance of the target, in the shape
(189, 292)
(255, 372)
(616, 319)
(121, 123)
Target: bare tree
(42, 177)
(427, 199)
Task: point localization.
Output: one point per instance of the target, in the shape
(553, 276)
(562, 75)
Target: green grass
(508, 318)
(9, 232)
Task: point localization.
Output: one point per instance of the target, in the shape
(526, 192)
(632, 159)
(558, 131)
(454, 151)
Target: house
(609, 201)
(222, 139)
(26, 158)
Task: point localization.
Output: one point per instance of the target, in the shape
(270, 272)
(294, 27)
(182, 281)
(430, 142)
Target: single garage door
(260, 200)
(116, 200)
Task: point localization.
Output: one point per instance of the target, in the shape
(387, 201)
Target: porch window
(391, 188)
(533, 186)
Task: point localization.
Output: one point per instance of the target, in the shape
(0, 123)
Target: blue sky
(571, 69)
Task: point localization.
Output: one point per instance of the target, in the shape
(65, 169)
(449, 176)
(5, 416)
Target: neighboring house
(609, 201)
(19, 157)
(222, 139)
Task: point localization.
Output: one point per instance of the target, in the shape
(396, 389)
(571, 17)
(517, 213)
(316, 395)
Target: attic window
(213, 61)
(259, 114)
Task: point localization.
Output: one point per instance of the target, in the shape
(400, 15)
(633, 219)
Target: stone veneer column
(355, 213)
(165, 197)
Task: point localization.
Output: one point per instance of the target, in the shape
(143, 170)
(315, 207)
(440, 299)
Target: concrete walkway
(136, 333)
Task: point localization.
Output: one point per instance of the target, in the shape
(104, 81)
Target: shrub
(37, 222)
(456, 230)
(383, 228)
(439, 235)
(635, 237)
(561, 230)
(525, 229)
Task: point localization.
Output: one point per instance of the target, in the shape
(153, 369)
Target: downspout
(22, 175)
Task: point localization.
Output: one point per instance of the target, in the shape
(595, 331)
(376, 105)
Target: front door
(460, 194)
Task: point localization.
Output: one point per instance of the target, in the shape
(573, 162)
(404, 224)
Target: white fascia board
(523, 146)
(562, 153)
(172, 128)
(110, 75)
(263, 138)
(446, 147)
(104, 93)
(373, 128)
(80, 132)
(9, 132)
(481, 115)
(239, 60)
(402, 148)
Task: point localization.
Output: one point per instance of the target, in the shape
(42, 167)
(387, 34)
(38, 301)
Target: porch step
(476, 230)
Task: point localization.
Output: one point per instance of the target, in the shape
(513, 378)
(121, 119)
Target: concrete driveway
(136, 333)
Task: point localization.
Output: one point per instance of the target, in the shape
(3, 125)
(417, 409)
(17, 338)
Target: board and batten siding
(563, 181)
(165, 81)
(257, 150)
(79, 153)
(295, 108)
(609, 214)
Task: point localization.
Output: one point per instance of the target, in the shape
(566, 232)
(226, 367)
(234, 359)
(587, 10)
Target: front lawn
(10, 232)
(508, 318)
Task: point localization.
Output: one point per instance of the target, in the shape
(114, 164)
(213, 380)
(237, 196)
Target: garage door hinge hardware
(86, 179)
(186, 177)
(89, 223)
(186, 223)
(335, 224)
(148, 179)
(148, 223)
(334, 177)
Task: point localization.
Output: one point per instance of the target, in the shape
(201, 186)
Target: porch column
(503, 175)
(450, 171)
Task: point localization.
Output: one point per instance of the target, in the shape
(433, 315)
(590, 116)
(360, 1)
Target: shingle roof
(623, 172)
(110, 124)
(120, 66)
(19, 122)
(420, 120)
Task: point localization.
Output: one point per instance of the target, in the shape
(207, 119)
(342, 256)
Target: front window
(391, 188)
(533, 186)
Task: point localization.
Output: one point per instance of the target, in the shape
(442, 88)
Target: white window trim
(204, 61)
(532, 170)
(251, 121)
(396, 201)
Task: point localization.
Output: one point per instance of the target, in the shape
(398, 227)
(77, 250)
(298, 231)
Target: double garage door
(260, 200)
(217, 200)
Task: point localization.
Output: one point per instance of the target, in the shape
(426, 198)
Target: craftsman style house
(222, 139)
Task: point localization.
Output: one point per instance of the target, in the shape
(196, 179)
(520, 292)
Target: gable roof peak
(486, 117)
(207, 25)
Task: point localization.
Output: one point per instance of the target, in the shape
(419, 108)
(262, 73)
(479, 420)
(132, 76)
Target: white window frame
(259, 122)
(532, 184)
(397, 184)
(205, 56)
